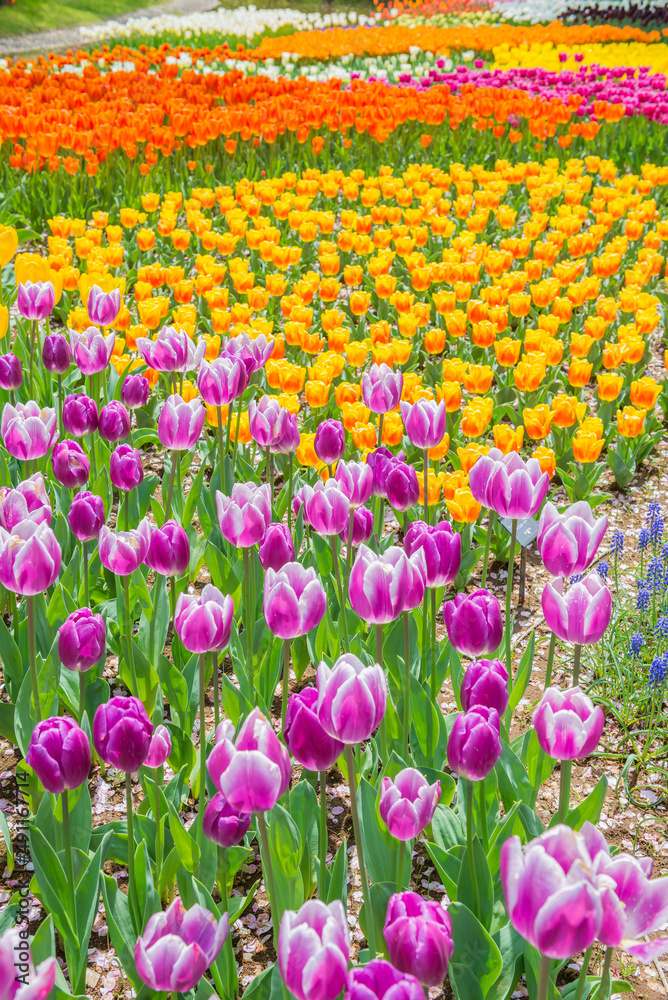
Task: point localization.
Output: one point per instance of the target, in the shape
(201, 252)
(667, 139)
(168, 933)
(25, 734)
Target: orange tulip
(306, 452)
(546, 459)
(630, 422)
(609, 386)
(356, 353)
(365, 436)
(528, 375)
(434, 486)
(478, 378)
(451, 393)
(354, 413)
(538, 420)
(566, 410)
(359, 303)
(469, 455)
(644, 393)
(434, 341)
(579, 372)
(507, 351)
(463, 507)
(454, 369)
(476, 416)
(587, 448)
(440, 451)
(508, 438)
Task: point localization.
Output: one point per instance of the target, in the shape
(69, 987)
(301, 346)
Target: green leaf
(514, 785)
(381, 851)
(119, 922)
(7, 722)
(87, 897)
(12, 663)
(184, 843)
(448, 866)
(235, 704)
(622, 472)
(338, 876)
(193, 496)
(379, 897)
(539, 764)
(147, 897)
(300, 656)
(474, 951)
(446, 828)
(52, 884)
(285, 845)
(483, 878)
(523, 675)
(9, 847)
(590, 808)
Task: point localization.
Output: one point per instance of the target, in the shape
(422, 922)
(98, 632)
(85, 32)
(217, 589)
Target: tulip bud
(485, 683)
(134, 392)
(474, 623)
(351, 698)
(401, 486)
(381, 388)
(222, 381)
(223, 825)
(180, 423)
(294, 600)
(70, 464)
(114, 422)
(276, 548)
(474, 745)
(124, 551)
(425, 422)
(381, 460)
(442, 548)
(418, 935)
(378, 979)
(330, 441)
(160, 747)
(408, 803)
(122, 733)
(178, 946)
(81, 640)
(204, 623)
(79, 415)
(125, 468)
(169, 550)
(59, 754)
(11, 374)
(245, 515)
(327, 508)
(378, 584)
(35, 299)
(86, 516)
(56, 353)
(30, 559)
(362, 519)
(305, 737)
(103, 307)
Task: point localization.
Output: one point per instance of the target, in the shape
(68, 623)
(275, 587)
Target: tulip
(59, 754)
(11, 373)
(330, 441)
(30, 558)
(474, 744)
(134, 392)
(254, 771)
(245, 515)
(86, 516)
(223, 825)
(28, 502)
(35, 299)
(114, 422)
(351, 698)
(122, 733)
(70, 464)
(362, 526)
(401, 486)
(327, 508)
(18, 977)
(222, 381)
(91, 350)
(314, 950)
(124, 551)
(81, 640)
(169, 550)
(178, 946)
(381, 388)
(204, 623)
(125, 468)
(160, 747)
(288, 436)
(378, 979)
(424, 421)
(568, 542)
(305, 737)
(567, 723)
(508, 485)
(418, 935)
(253, 351)
(355, 480)
(56, 353)
(103, 307)
(381, 461)
(378, 584)
(265, 420)
(172, 351)
(582, 614)
(28, 431)
(407, 803)
(485, 683)
(294, 600)
(276, 547)
(474, 623)
(442, 549)
(180, 423)
(79, 415)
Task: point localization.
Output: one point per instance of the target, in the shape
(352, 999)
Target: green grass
(27, 16)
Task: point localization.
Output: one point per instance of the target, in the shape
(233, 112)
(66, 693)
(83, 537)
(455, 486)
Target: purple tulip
(252, 772)
(485, 683)
(408, 803)
(266, 421)
(253, 351)
(551, 896)
(30, 559)
(381, 388)
(245, 515)
(351, 698)
(123, 552)
(567, 723)
(56, 353)
(314, 950)
(474, 744)
(276, 547)
(160, 747)
(305, 738)
(223, 825)
(509, 485)
(79, 415)
(27, 430)
(378, 584)
(288, 434)
(11, 374)
(401, 486)
(19, 980)
(204, 623)
(122, 733)
(91, 350)
(16, 505)
(355, 479)
(35, 299)
(582, 614)
(59, 754)
(134, 391)
(180, 423)
(362, 519)
(442, 549)
(70, 464)
(114, 422)
(173, 351)
(294, 600)
(417, 574)
(169, 550)
(474, 623)
(381, 461)
(418, 935)
(378, 979)
(86, 516)
(178, 946)
(103, 307)
(222, 381)
(327, 508)
(568, 542)
(82, 640)
(330, 441)
(424, 421)
(299, 499)
(125, 468)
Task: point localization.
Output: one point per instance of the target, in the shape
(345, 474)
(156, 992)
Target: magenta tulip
(378, 979)
(245, 515)
(485, 683)
(327, 508)
(114, 422)
(424, 421)
(160, 747)
(355, 479)
(568, 542)
(474, 623)
(86, 516)
(474, 744)
(134, 391)
(123, 552)
(125, 468)
(30, 559)
(401, 486)
(223, 825)
(122, 733)
(35, 299)
(305, 737)
(103, 307)
(442, 549)
(252, 772)
(381, 388)
(82, 640)
(169, 550)
(567, 723)
(59, 754)
(70, 464)
(314, 950)
(222, 380)
(509, 485)
(180, 423)
(351, 698)
(362, 519)
(56, 353)
(418, 935)
(204, 623)
(91, 350)
(27, 430)
(582, 614)
(253, 351)
(407, 803)
(172, 351)
(378, 584)
(15, 505)
(276, 547)
(11, 373)
(80, 415)
(178, 946)
(330, 441)
(294, 600)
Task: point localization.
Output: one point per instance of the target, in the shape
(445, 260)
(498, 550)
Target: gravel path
(71, 38)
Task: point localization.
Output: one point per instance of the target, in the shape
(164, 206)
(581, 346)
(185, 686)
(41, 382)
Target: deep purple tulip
(266, 421)
(160, 747)
(204, 623)
(474, 745)
(123, 552)
(178, 946)
(180, 423)
(485, 683)
(35, 299)
(125, 468)
(169, 550)
(11, 374)
(509, 485)
(91, 350)
(327, 508)
(70, 464)
(362, 519)
(582, 614)
(294, 600)
(401, 486)
(314, 950)
(355, 479)
(56, 353)
(30, 559)
(134, 391)
(173, 351)
(254, 771)
(567, 723)
(27, 430)
(122, 733)
(86, 516)
(442, 549)
(568, 542)
(222, 380)
(378, 979)
(552, 900)
(381, 388)
(253, 351)
(245, 515)
(114, 422)
(79, 415)
(408, 803)
(424, 421)
(381, 461)
(305, 737)
(59, 754)
(378, 584)
(276, 547)
(351, 698)
(82, 640)
(418, 935)
(474, 623)
(223, 825)
(103, 307)
(330, 441)
(19, 979)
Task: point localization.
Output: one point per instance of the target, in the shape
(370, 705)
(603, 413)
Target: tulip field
(332, 347)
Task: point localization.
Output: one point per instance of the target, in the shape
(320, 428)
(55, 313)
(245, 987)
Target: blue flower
(653, 511)
(575, 578)
(642, 601)
(643, 539)
(636, 645)
(655, 575)
(658, 672)
(661, 629)
(656, 531)
(603, 569)
(617, 543)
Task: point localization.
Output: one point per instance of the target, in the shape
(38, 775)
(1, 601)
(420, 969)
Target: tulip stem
(69, 868)
(582, 978)
(576, 663)
(222, 889)
(170, 488)
(543, 977)
(158, 831)
(270, 479)
(381, 421)
(379, 659)
(126, 510)
(550, 661)
(407, 687)
(290, 496)
(349, 551)
(509, 597)
(202, 741)
(339, 586)
(30, 605)
(323, 836)
(247, 616)
(237, 431)
(483, 813)
(564, 789)
(403, 847)
(269, 875)
(216, 690)
(251, 622)
(469, 848)
(604, 989)
(371, 932)
(219, 431)
(82, 695)
(33, 337)
(128, 636)
(60, 405)
(491, 521)
(286, 682)
(84, 546)
(424, 672)
(132, 889)
(426, 485)
(434, 690)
